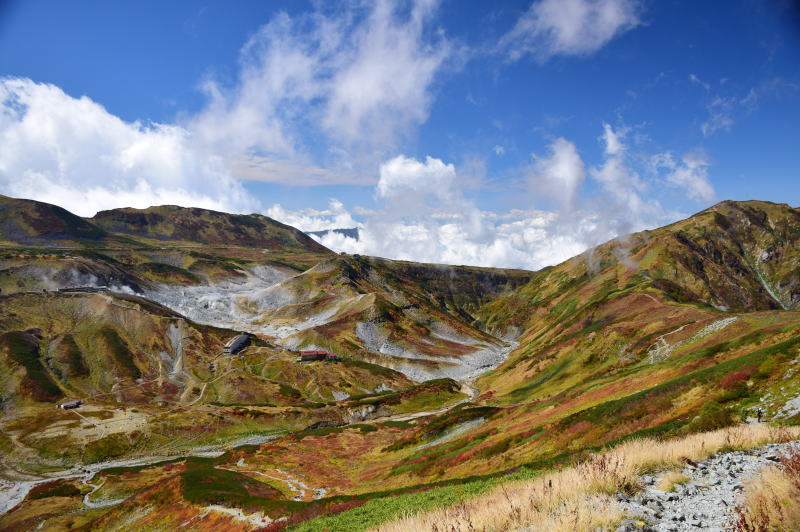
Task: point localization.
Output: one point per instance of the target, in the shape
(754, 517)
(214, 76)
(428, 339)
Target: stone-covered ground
(706, 501)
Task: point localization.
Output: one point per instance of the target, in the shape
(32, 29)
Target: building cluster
(239, 342)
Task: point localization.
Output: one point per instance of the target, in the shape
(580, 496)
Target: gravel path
(706, 501)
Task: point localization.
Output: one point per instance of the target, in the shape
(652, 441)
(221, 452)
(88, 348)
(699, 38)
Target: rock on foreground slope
(706, 501)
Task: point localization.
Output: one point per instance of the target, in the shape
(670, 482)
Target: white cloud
(622, 205)
(527, 240)
(559, 175)
(403, 177)
(318, 99)
(499, 150)
(613, 140)
(297, 172)
(334, 217)
(690, 173)
(424, 216)
(723, 109)
(694, 79)
(73, 153)
(569, 27)
(720, 116)
(337, 90)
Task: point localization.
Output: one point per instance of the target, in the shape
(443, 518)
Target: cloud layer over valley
(424, 215)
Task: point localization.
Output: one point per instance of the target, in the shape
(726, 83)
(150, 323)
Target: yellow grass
(581, 498)
(772, 499)
(670, 479)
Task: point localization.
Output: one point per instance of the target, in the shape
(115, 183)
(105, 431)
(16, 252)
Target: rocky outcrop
(706, 501)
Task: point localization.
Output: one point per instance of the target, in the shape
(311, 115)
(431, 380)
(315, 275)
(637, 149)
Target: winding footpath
(707, 501)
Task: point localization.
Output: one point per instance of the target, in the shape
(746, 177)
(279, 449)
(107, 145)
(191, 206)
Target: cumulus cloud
(569, 27)
(423, 214)
(73, 153)
(336, 216)
(522, 239)
(690, 173)
(558, 175)
(617, 178)
(320, 98)
(403, 177)
(335, 90)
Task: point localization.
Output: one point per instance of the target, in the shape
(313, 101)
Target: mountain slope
(733, 256)
(169, 223)
(148, 376)
(622, 296)
(411, 317)
(28, 222)
(682, 329)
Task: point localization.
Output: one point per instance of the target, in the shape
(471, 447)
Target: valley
(450, 379)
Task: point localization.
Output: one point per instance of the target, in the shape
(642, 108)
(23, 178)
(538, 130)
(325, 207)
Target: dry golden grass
(581, 498)
(772, 498)
(670, 479)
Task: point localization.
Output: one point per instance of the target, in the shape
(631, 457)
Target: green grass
(121, 354)
(109, 447)
(58, 488)
(441, 424)
(384, 507)
(397, 424)
(73, 357)
(138, 468)
(204, 484)
(288, 391)
(24, 350)
(373, 368)
(161, 272)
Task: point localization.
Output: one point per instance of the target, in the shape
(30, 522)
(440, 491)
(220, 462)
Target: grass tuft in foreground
(772, 498)
(582, 497)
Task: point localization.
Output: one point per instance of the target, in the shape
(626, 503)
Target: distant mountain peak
(351, 232)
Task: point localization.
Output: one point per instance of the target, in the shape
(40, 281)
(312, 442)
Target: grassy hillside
(151, 377)
(28, 222)
(47, 247)
(663, 334)
(416, 318)
(169, 223)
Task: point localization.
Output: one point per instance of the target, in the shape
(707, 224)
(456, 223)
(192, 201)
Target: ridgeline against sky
(509, 135)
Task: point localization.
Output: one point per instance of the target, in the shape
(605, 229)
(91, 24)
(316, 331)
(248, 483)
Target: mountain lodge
(236, 344)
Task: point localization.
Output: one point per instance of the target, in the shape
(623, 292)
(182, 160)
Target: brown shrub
(772, 498)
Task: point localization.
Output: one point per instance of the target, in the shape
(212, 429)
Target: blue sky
(506, 134)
